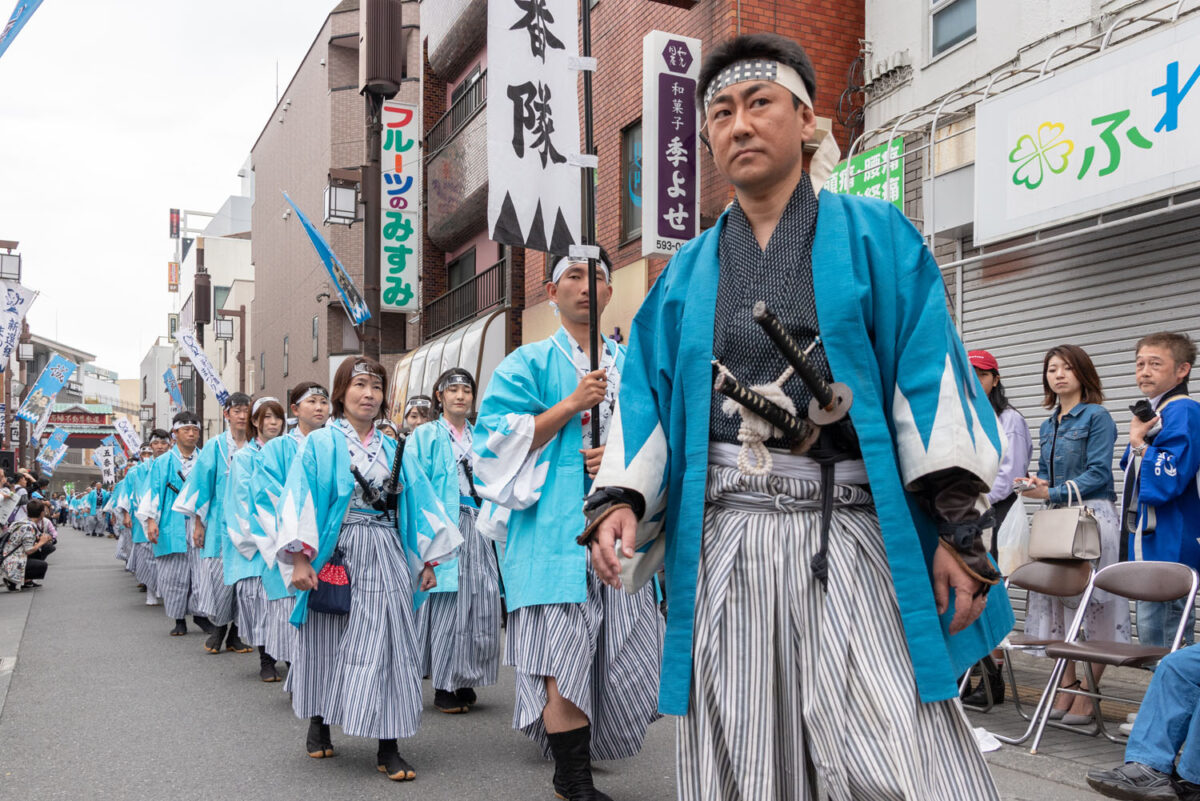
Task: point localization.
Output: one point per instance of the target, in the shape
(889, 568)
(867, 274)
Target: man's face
(188, 436)
(571, 293)
(160, 446)
(1157, 370)
(757, 134)
(237, 417)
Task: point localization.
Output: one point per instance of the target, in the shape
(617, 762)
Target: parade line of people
(818, 547)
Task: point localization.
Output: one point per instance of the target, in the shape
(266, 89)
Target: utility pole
(372, 333)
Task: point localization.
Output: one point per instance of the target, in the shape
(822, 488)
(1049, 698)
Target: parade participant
(418, 410)
(91, 510)
(826, 587)
(310, 408)
(141, 554)
(244, 565)
(203, 498)
(115, 503)
(356, 662)
(460, 622)
(169, 531)
(569, 636)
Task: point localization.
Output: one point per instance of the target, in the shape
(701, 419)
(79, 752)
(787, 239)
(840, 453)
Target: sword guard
(843, 399)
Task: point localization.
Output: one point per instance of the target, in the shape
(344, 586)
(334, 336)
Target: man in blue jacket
(1161, 502)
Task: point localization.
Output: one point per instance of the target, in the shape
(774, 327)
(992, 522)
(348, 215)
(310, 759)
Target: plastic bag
(1012, 543)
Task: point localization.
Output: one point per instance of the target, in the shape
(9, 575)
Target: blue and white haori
(243, 564)
(203, 497)
(141, 552)
(600, 645)
(918, 409)
(459, 623)
(360, 670)
(168, 473)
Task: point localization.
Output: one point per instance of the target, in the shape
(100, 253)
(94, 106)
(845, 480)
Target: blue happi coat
(135, 487)
(158, 499)
(918, 408)
(239, 562)
(266, 487)
(541, 564)
(316, 498)
(203, 495)
(430, 449)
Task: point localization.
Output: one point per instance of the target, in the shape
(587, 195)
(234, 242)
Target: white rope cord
(754, 459)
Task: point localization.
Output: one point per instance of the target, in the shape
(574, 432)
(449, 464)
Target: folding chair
(1061, 578)
(1138, 581)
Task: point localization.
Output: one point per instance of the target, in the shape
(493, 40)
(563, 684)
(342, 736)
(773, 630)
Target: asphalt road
(104, 705)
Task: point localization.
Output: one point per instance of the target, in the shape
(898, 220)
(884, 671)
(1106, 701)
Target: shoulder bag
(1070, 532)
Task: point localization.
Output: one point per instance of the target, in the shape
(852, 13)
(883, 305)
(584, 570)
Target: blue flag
(173, 390)
(54, 376)
(352, 301)
(16, 22)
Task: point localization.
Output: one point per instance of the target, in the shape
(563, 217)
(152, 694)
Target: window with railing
(479, 293)
(470, 100)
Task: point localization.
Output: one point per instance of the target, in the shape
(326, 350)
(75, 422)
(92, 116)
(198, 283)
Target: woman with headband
(339, 526)
(460, 622)
(244, 565)
(310, 408)
(418, 410)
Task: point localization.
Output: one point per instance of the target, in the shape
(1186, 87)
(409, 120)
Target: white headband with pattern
(417, 403)
(452, 379)
(827, 154)
(565, 264)
(185, 424)
(308, 393)
(258, 404)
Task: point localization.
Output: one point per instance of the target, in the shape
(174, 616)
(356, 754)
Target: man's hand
(152, 531)
(1138, 431)
(428, 578)
(591, 390)
(591, 460)
(198, 534)
(303, 575)
(128, 522)
(949, 575)
(620, 525)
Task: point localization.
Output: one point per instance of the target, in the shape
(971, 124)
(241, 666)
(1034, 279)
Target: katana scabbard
(793, 428)
(831, 402)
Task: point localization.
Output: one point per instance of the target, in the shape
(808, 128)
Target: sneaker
(1186, 790)
(1133, 781)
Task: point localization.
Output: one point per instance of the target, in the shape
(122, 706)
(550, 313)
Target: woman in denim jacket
(1077, 445)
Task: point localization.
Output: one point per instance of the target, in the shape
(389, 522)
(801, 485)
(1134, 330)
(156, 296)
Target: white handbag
(1070, 532)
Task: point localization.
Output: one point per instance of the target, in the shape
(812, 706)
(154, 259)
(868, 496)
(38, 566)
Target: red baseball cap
(983, 360)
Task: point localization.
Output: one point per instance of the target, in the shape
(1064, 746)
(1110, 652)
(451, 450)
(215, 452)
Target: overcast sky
(111, 113)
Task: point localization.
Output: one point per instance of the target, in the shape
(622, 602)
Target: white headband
(182, 424)
(258, 404)
(827, 154)
(308, 393)
(452, 379)
(363, 368)
(565, 264)
(418, 403)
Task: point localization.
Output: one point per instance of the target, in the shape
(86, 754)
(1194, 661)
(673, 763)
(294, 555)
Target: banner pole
(589, 206)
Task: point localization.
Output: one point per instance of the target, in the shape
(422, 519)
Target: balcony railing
(483, 291)
(466, 107)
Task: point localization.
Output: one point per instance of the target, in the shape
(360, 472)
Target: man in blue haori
(585, 654)
(825, 585)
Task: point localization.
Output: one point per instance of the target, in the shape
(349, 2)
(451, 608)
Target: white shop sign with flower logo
(1119, 128)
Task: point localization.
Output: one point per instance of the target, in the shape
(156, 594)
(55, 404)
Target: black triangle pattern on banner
(561, 240)
(537, 230)
(508, 227)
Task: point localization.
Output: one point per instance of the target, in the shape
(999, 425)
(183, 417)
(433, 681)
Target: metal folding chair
(1061, 578)
(1138, 581)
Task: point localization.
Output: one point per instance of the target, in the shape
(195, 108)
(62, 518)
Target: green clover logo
(1034, 156)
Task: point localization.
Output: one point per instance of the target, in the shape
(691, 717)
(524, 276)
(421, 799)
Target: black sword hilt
(830, 402)
(792, 426)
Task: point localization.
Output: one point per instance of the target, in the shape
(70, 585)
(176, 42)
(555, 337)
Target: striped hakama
(798, 693)
(359, 671)
(214, 599)
(174, 583)
(142, 565)
(279, 635)
(124, 542)
(460, 631)
(603, 655)
(251, 610)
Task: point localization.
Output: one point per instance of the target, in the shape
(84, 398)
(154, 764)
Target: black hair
(187, 418)
(997, 396)
(769, 46)
(304, 386)
(34, 509)
(237, 399)
(158, 432)
(437, 400)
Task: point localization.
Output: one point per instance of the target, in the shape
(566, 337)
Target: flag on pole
(16, 22)
(352, 300)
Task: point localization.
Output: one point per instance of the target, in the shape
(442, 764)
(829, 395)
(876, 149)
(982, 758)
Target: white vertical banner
(201, 364)
(125, 430)
(670, 141)
(400, 228)
(534, 164)
(15, 300)
(107, 465)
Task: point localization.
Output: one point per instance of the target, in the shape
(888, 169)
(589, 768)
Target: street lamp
(25, 352)
(341, 196)
(10, 267)
(224, 329)
(185, 371)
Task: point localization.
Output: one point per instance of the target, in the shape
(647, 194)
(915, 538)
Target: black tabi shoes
(266, 666)
(466, 695)
(215, 638)
(234, 642)
(573, 765)
(318, 743)
(180, 628)
(389, 761)
(448, 702)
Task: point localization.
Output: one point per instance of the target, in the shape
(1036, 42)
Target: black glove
(603, 502)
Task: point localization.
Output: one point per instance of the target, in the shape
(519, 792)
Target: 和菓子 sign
(1117, 129)
(670, 172)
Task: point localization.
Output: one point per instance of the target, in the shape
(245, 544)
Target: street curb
(14, 613)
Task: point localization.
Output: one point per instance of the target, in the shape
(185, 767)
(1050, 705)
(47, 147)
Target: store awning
(478, 347)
